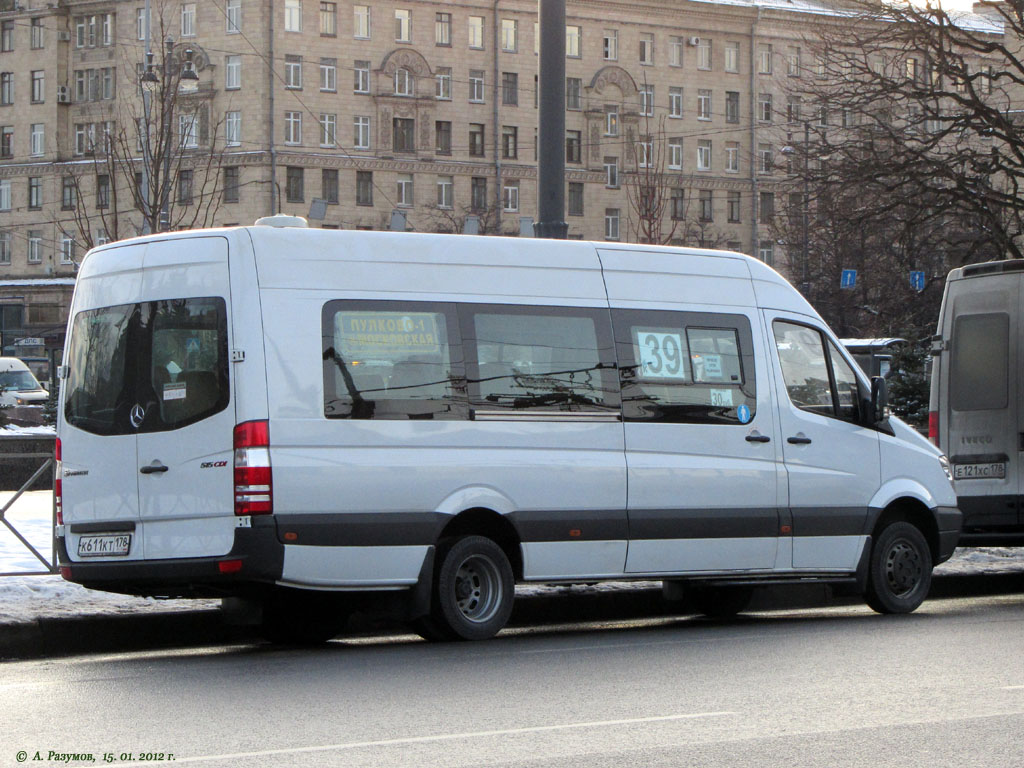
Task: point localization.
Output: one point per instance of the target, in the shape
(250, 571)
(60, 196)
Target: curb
(75, 635)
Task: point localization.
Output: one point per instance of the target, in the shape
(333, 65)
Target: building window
(38, 86)
(293, 128)
(647, 100)
(445, 192)
(361, 22)
(611, 121)
(329, 75)
(510, 197)
(292, 15)
(233, 128)
(764, 60)
(704, 154)
(732, 57)
(766, 252)
(67, 250)
(732, 106)
(361, 82)
(573, 93)
(793, 61)
(295, 184)
(233, 17)
(675, 101)
(443, 137)
(476, 85)
(732, 156)
(733, 207)
(68, 193)
(361, 131)
(764, 107)
(6, 141)
(444, 83)
(675, 153)
(647, 48)
(478, 193)
(404, 131)
(404, 82)
(704, 53)
(476, 31)
(476, 139)
(364, 187)
(188, 131)
(188, 19)
(232, 72)
(611, 172)
(37, 40)
(5, 194)
(611, 223)
(764, 158)
(645, 153)
(328, 19)
(35, 246)
(185, 180)
(38, 139)
(767, 207)
(574, 202)
(707, 205)
(35, 193)
(405, 191)
(329, 185)
(403, 26)
(231, 185)
(6, 88)
(510, 89)
(704, 104)
(5, 248)
(293, 72)
(509, 142)
(574, 146)
(610, 45)
(573, 40)
(509, 35)
(442, 29)
(328, 129)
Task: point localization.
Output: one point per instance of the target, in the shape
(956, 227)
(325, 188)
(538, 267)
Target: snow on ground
(26, 598)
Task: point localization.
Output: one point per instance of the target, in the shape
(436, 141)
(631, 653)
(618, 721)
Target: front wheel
(475, 590)
(900, 571)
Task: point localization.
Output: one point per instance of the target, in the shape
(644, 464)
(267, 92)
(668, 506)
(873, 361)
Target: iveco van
(316, 420)
(976, 413)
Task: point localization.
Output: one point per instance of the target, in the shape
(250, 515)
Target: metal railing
(51, 564)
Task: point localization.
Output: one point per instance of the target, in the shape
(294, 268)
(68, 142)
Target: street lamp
(789, 150)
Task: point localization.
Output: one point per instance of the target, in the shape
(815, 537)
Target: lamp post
(789, 150)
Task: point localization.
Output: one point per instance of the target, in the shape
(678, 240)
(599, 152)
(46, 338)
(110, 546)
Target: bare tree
(649, 190)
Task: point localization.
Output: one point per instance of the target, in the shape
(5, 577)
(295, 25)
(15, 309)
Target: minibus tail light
(58, 485)
(253, 479)
(933, 427)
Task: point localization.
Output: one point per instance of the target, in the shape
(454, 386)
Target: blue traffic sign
(849, 279)
(917, 280)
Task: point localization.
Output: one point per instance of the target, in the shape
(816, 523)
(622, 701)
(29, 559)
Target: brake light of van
(933, 427)
(253, 479)
(58, 485)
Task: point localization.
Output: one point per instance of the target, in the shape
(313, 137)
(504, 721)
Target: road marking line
(1013, 688)
(447, 737)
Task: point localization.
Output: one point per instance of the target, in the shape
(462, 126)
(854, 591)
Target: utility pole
(551, 122)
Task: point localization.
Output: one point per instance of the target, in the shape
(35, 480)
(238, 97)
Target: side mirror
(879, 399)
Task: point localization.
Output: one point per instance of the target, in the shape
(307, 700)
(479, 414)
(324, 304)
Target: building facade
(402, 113)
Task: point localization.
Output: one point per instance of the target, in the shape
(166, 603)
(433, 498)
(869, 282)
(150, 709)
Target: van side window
(539, 358)
(685, 367)
(818, 378)
(978, 379)
(392, 360)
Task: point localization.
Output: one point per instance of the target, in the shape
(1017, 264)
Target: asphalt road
(828, 686)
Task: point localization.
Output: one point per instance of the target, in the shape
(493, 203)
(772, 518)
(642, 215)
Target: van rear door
(983, 401)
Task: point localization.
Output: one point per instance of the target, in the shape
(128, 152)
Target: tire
(295, 617)
(474, 592)
(720, 602)
(900, 570)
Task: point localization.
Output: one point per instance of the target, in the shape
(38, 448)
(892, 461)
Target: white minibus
(315, 421)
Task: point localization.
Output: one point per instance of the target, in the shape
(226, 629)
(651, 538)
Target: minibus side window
(979, 371)
(392, 360)
(685, 367)
(539, 358)
(846, 386)
(818, 377)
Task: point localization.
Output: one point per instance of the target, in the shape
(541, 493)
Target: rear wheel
(900, 571)
(720, 602)
(296, 617)
(474, 591)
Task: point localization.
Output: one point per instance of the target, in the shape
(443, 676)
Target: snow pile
(26, 598)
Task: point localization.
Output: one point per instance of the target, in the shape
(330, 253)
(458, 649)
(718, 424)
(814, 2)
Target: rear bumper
(255, 561)
(950, 523)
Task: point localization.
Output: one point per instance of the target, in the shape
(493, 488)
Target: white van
(318, 420)
(17, 384)
(976, 409)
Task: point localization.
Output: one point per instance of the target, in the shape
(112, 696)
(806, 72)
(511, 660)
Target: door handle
(758, 439)
(149, 469)
(799, 440)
